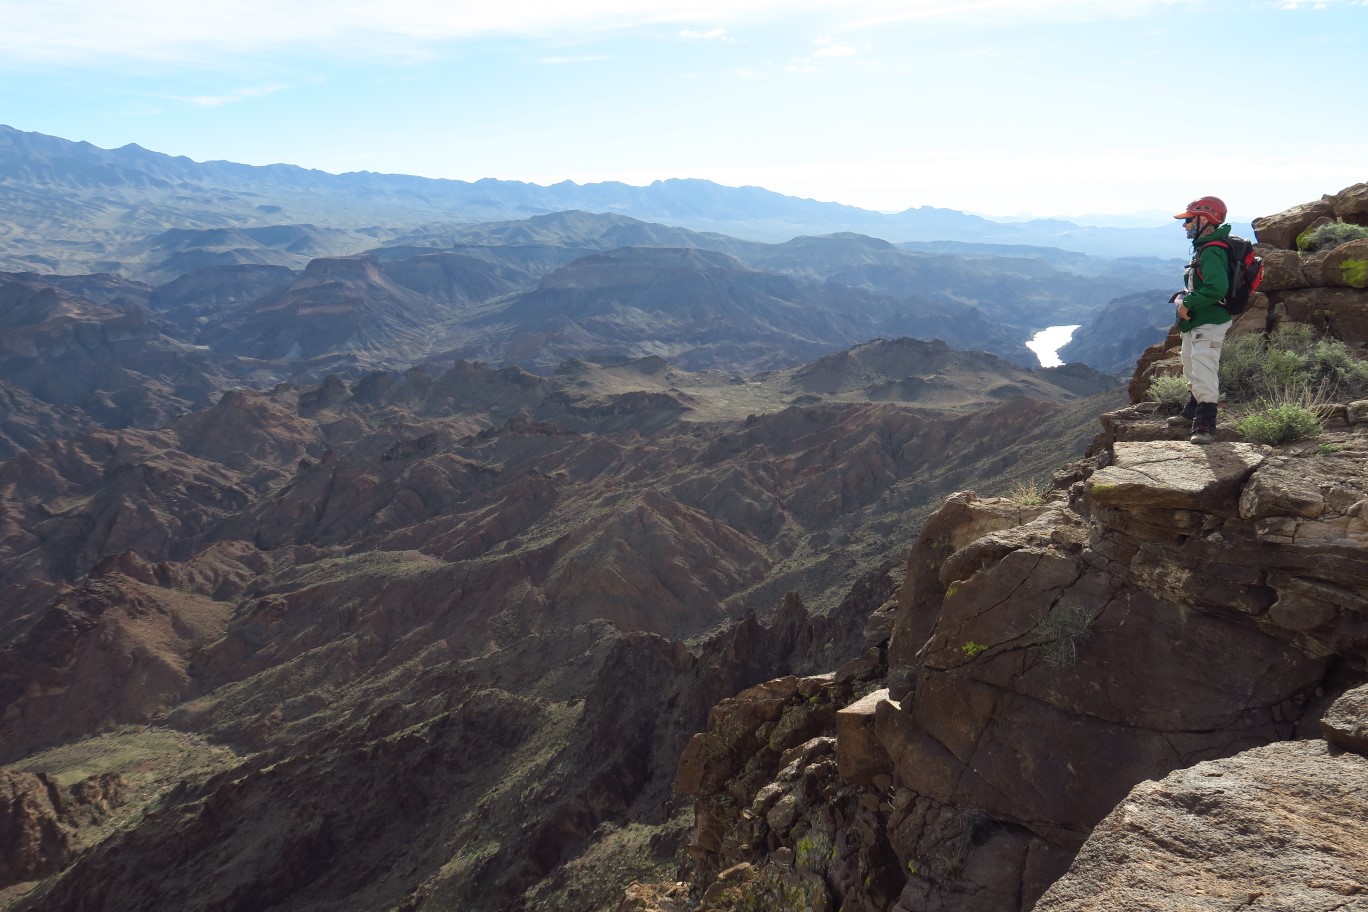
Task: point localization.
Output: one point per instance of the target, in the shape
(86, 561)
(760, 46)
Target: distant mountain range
(78, 352)
(71, 206)
(137, 285)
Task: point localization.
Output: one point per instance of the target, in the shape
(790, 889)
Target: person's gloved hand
(1178, 298)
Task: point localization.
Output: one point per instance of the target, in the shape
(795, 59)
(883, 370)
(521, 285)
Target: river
(1048, 342)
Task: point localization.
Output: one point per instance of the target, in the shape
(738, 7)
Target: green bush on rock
(1170, 392)
(1257, 368)
(1330, 235)
(1280, 423)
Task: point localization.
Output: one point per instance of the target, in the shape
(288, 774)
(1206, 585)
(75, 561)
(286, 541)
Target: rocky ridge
(88, 351)
(75, 207)
(1117, 697)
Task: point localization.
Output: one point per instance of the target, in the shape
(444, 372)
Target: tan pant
(1202, 361)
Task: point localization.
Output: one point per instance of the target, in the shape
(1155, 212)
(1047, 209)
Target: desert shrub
(1281, 422)
(1242, 367)
(962, 835)
(1294, 337)
(1330, 235)
(1062, 629)
(1170, 392)
(1028, 493)
(1288, 362)
(1281, 368)
(1331, 362)
(948, 864)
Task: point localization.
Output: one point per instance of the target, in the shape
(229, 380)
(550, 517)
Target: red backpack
(1244, 268)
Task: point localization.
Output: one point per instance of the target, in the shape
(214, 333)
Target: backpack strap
(1197, 257)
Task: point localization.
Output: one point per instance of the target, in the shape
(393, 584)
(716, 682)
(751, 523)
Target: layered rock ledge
(1172, 609)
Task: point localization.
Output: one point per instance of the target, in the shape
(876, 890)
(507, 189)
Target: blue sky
(1049, 107)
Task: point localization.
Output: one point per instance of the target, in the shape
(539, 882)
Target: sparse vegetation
(149, 761)
(1062, 629)
(615, 857)
(972, 649)
(948, 865)
(1326, 449)
(1290, 381)
(950, 859)
(1280, 423)
(1257, 368)
(1329, 236)
(1171, 393)
(1029, 493)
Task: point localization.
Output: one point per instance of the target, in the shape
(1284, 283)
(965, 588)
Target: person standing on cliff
(1202, 319)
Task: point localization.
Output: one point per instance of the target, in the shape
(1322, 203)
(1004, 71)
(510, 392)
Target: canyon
(580, 562)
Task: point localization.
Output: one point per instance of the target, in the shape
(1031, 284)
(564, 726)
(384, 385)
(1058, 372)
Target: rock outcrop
(39, 820)
(1141, 667)
(36, 844)
(1140, 629)
(1277, 827)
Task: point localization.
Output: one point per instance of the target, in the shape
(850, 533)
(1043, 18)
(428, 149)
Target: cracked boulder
(1280, 828)
(1174, 475)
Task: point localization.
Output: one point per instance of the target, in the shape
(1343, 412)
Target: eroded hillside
(421, 641)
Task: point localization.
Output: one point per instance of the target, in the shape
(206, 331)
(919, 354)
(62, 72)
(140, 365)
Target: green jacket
(1208, 281)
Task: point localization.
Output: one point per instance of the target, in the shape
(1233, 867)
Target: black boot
(1204, 423)
(1186, 416)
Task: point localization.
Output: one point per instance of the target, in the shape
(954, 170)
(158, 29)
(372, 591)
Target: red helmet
(1209, 207)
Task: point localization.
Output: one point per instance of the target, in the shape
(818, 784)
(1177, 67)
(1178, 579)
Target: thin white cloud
(215, 101)
(86, 31)
(826, 49)
(717, 34)
(1000, 11)
(584, 58)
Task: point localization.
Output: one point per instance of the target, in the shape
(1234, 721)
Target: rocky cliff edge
(1145, 692)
